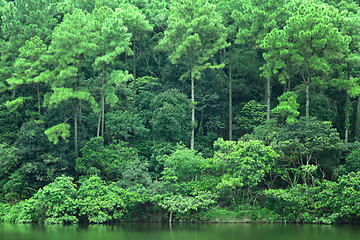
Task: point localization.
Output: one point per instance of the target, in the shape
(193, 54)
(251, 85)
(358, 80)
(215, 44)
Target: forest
(179, 111)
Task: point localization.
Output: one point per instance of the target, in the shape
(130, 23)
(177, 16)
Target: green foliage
(61, 130)
(55, 204)
(287, 107)
(352, 163)
(305, 44)
(59, 200)
(302, 144)
(171, 116)
(182, 204)
(327, 202)
(62, 60)
(251, 115)
(135, 174)
(109, 35)
(10, 122)
(125, 125)
(183, 165)
(106, 161)
(195, 32)
(133, 19)
(242, 164)
(4, 209)
(16, 187)
(99, 202)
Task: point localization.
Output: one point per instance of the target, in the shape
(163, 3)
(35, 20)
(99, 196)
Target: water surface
(140, 231)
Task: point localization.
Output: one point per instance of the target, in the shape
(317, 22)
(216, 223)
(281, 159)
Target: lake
(152, 231)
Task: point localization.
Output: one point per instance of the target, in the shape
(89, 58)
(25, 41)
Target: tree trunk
(99, 123)
(134, 68)
(268, 95)
(192, 108)
(170, 217)
(347, 111)
(289, 85)
(101, 119)
(222, 70)
(102, 103)
(307, 106)
(230, 97)
(76, 129)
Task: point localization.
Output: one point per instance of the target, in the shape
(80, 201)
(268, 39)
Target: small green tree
(170, 116)
(309, 149)
(70, 46)
(137, 25)
(251, 115)
(55, 204)
(287, 107)
(195, 33)
(98, 202)
(241, 165)
(30, 69)
(305, 44)
(110, 38)
(184, 190)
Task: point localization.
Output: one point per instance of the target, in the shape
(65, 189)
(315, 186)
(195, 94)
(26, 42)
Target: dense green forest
(183, 110)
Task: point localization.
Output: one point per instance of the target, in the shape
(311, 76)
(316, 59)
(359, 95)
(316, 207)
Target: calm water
(180, 232)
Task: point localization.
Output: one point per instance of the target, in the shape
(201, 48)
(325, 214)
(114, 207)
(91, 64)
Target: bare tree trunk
(289, 85)
(170, 218)
(307, 106)
(230, 97)
(102, 103)
(99, 123)
(101, 119)
(192, 108)
(346, 135)
(134, 68)
(222, 70)
(76, 129)
(347, 112)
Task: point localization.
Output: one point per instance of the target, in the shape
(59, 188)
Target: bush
(326, 202)
(99, 202)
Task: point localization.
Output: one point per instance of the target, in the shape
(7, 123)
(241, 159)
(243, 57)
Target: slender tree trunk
(230, 97)
(347, 112)
(80, 103)
(102, 103)
(357, 123)
(101, 119)
(289, 85)
(134, 68)
(222, 70)
(170, 217)
(307, 106)
(346, 135)
(76, 129)
(99, 123)
(192, 108)
(268, 95)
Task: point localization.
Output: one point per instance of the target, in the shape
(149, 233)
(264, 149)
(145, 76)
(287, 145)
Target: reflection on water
(137, 231)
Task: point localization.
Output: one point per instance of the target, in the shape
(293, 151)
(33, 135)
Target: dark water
(132, 231)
